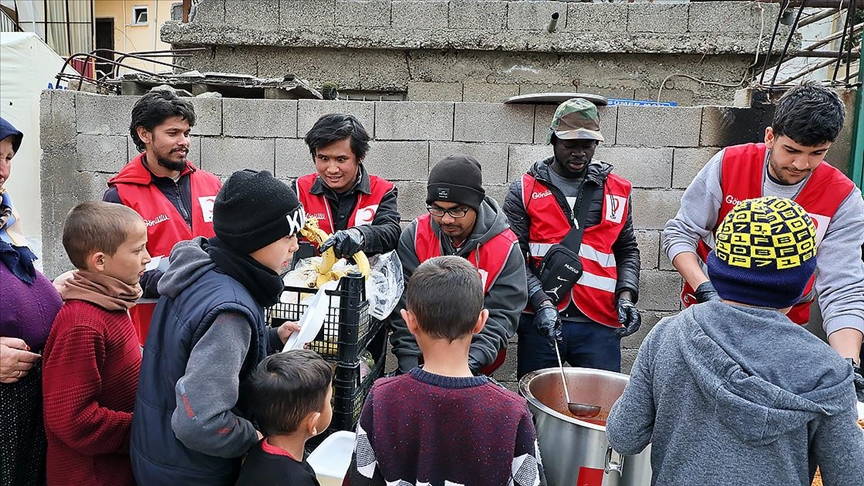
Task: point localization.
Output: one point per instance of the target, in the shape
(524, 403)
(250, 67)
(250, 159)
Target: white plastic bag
(385, 285)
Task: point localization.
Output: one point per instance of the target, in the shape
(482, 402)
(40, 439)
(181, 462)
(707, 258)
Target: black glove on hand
(345, 243)
(859, 380)
(705, 292)
(548, 323)
(629, 317)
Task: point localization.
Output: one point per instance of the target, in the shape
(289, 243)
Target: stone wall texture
(486, 51)
(85, 141)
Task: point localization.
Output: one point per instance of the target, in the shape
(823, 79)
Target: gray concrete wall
(481, 51)
(85, 141)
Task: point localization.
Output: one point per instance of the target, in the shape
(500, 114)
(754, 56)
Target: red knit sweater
(90, 376)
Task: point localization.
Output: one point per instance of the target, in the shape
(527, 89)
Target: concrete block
(493, 122)
(293, 158)
(531, 88)
(687, 162)
(657, 18)
(57, 120)
(424, 91)
(652, 126)
(104, 115)
(363, 13)
(596, 17)
(723, 125)
(488, 92)
(418, 14)
(309, 111)
(535, 15)
(492, 157)
(297, 13)
(398, 161)
(263, 16)
(208, 116)
(497, 192)
(210, 12)
(653, 208)
(731, 17)
(663, 263)
(413, 121)
(521, 157)
(223, 156)
(411, 199)
(101, 153)
(659, 290)
(628, 357)
(608, 123)
(684, 97)
(644, 167)
(259, 118)
(649, 248)
(382, 70)
(478, 15)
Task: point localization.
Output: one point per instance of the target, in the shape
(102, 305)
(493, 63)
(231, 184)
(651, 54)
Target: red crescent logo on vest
(206, 203)
(365, 215)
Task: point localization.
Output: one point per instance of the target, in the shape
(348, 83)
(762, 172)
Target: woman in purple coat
(28, 304)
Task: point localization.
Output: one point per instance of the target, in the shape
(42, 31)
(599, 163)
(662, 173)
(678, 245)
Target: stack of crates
(345, 335)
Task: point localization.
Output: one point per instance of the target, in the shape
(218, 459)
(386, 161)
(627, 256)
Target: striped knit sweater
(423, 428)
(90, 377)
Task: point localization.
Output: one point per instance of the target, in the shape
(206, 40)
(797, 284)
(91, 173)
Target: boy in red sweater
(441, 424)
(92, 358)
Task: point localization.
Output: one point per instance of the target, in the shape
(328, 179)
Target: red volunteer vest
(318, 207)
(165, 225)
(594, 293)
(741, 179)
(489, 260)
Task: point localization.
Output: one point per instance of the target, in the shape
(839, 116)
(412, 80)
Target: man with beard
(465, 222)
(789, 164)
(581, 300)
(174, 197)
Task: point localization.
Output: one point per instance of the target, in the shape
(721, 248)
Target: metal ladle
(578, 409)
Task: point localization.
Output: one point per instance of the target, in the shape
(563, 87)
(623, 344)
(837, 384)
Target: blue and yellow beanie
(765, 253)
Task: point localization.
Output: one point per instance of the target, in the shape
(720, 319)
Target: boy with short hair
(92, 358)
(440, 424)
(289, 397)
(732, 391)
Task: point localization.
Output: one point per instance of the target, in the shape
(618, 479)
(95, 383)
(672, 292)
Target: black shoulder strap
(573, 240)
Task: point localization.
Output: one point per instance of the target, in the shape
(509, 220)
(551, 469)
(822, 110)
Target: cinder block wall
(85, 139)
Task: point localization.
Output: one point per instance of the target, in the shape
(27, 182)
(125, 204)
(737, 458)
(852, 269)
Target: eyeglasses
(454, 213)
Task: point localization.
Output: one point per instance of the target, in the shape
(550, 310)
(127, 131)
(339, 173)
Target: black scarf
(264, 284)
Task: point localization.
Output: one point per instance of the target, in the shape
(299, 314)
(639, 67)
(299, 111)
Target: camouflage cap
(576, 118)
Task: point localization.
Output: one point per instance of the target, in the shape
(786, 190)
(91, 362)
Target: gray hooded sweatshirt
(505, 300)
(728, 394)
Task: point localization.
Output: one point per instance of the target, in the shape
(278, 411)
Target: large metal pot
(575, 451)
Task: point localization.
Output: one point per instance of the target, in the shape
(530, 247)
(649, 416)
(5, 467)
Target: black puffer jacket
(625, 249)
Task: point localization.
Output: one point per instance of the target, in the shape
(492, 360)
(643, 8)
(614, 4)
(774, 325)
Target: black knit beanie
(457, 179)
(254, 209)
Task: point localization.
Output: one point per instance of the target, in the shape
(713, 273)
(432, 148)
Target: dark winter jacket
(625, 248)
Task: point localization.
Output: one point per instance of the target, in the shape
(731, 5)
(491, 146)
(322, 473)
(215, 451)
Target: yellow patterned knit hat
(765, 253)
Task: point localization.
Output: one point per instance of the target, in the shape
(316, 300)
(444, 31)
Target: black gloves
(548, 323)
(705, 292)
(345, 243)
(628, 316)
(859, 380)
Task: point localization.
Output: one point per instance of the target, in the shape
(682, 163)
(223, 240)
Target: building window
(140, 15)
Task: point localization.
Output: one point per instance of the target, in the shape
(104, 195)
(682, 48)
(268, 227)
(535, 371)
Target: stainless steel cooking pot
(575, 451)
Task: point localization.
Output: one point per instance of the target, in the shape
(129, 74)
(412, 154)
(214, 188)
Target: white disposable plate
(860, 410)
(312, 319)
(332, 458)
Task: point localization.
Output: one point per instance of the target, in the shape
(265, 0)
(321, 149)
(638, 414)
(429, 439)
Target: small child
(92, 358)
(734, 392)
(289, 397)
(440, 424)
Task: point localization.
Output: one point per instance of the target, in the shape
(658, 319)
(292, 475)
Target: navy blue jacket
(158, 457)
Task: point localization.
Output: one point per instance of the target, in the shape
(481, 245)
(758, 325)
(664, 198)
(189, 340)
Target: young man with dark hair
(790, 163)
(597, 306)
(465, 222)
(92, 358)
(289, 398)
(733, 392)
(174, 197)
(440, 424)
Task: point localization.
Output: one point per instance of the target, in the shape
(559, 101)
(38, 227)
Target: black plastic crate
(347, 328)
(350, 392)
